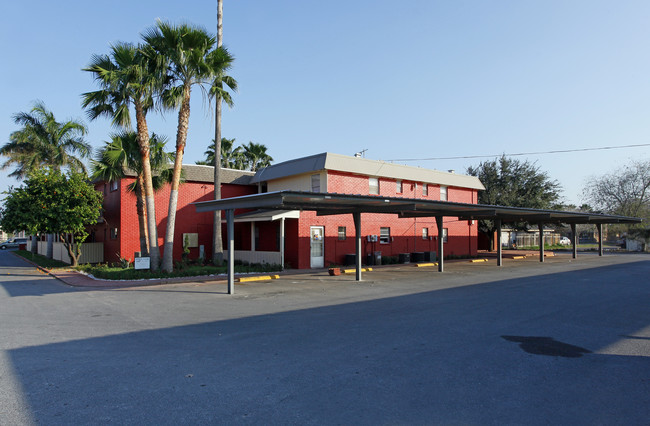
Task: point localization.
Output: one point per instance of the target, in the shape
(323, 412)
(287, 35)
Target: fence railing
(90, 252)
(272, 257)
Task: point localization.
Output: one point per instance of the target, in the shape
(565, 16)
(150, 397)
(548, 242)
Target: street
(563, 342)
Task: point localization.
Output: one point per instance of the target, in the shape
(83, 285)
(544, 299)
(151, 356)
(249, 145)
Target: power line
(561, 151)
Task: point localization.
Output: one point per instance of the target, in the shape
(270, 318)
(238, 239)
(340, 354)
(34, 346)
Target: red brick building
(310, 241)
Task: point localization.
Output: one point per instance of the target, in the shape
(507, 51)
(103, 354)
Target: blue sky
(404, 80)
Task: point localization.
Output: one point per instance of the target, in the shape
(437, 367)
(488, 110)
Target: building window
(425, 189)
(113, 233)
(342, 233)
(425, 233)
(384, 235)
(443, 193)
(374, 185)
(444, 235)
(399, 188)
(113, 185)
(315, 183)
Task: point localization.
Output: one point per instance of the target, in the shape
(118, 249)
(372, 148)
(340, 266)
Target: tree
(44, 142)
(190, 58)
(126, 77)
(624, 192)
(219, 93)
(122, 153)
(256, 156)
(230, 158)
(510, 182)
(51, 202)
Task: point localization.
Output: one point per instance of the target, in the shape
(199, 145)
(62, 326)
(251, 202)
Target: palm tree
(126, 78)
(191, 58)
(44, 142)
(230, 158)
(256, 156)
(122, 154)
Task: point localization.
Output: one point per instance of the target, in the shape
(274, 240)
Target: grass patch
(41, 261)
(107, 272)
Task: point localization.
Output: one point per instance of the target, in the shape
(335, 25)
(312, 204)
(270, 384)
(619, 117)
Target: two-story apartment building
(310, 241)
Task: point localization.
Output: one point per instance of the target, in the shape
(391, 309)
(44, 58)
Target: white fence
(90, 252)
(272, 257)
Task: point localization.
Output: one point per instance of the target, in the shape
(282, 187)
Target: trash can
(350, 259)
(430, 256)
(417, 256)
(370, 259)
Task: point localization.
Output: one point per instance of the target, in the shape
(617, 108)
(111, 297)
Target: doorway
(317, 252)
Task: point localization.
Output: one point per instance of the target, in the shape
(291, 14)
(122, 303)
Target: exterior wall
(298, 183)
(120, 212)
(406, 234)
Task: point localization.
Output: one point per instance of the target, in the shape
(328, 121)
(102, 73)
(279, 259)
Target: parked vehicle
(13, 243)
(565, 241)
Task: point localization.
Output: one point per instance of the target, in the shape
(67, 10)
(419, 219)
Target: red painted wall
(120, 211)
(406, 233)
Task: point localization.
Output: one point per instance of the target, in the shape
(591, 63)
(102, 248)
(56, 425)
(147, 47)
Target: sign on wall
(142, 263)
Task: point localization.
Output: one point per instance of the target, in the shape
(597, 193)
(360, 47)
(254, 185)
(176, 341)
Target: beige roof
(198, 173)
(363, 166)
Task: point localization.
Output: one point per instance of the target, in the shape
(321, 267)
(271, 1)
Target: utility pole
(217, 244)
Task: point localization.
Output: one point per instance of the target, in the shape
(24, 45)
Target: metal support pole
(541, 241)
(599, 226)
(574, 240)
(357, 243)
(498, 223)
(230, 227)
(441, 266)
(282, 242)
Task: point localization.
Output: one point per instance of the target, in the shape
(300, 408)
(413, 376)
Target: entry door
(317, 251)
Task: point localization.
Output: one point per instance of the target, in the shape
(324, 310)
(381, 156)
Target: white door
(317, 238)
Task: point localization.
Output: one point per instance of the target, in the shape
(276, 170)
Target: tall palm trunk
(142, 216)
(217, 239)
(150, 201)
(181, 139)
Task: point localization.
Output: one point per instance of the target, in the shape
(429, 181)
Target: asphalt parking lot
(563, 342)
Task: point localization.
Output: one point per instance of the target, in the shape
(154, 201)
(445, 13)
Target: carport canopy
(335, 204)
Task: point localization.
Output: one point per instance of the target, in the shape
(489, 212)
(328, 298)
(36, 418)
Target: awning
(266, 216)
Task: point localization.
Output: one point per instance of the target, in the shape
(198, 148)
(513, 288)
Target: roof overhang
(333, 204)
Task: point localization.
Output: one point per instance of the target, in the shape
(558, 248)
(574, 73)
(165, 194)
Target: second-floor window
(373, 183)
(342, 233)
(399, 188)
(315, 183)
(443, 193)
(425, 189)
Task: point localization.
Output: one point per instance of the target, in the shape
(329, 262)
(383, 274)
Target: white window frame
(373, 186)
(384, 235)
(425, 189)
(400, 188)
(342, 233)
(444, 193)
(425, 233)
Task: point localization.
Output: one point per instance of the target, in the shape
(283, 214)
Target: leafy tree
(510, 182)
(51, 202)
(44, 142)
(128, 77)
(624, 192)
(256, 156)
(122, 153)
(190, 58)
